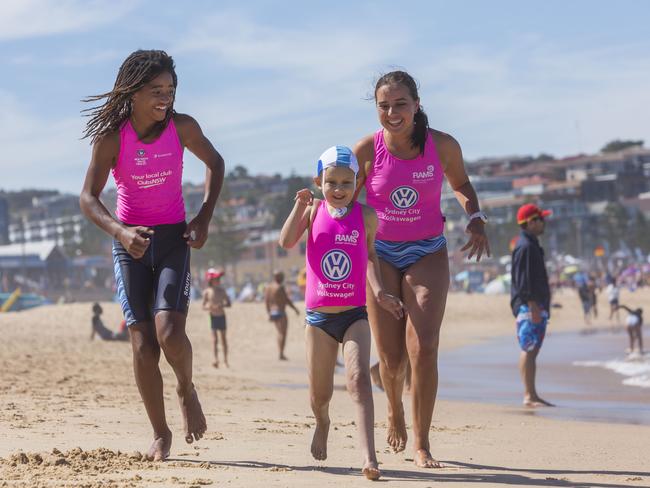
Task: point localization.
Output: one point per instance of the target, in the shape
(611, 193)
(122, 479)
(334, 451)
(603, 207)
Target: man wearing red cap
(215, 299)
(530, 296)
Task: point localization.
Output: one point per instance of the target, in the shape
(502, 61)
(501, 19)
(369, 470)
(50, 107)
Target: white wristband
(478, 215)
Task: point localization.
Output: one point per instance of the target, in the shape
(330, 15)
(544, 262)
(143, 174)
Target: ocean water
(586, 375)
(633, 368)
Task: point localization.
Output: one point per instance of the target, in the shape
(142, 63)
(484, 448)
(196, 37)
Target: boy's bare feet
(319, 441)
(371, 470)
(423, 459)
(536, 402)
(159, 450)
(215, 364)
(396, 434)
(194, 423)
(283, 358)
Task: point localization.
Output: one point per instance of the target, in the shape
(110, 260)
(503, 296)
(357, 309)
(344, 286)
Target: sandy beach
(71, 415)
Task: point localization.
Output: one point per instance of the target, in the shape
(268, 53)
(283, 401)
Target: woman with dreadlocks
(402, 167)
(137, 135)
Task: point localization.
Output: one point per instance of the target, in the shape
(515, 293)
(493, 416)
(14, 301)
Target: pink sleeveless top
(406, 193)
(149, 178)
(337, 259)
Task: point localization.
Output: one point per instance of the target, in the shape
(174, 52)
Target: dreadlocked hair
(139, 68)
(421, 121)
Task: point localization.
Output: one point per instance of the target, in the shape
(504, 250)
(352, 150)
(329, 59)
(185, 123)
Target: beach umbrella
(497, 286)
(629, 271)
(462, 276)
(570, 269)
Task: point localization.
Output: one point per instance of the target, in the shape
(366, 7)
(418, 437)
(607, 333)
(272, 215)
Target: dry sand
(70, 413)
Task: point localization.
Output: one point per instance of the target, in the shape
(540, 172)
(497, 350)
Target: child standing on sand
(340, 256)
(276, 300)
(215, 299)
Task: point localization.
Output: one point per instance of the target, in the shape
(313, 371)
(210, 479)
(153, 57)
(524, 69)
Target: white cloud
(537, 97)
(20, 19)
(323, 53)
(40, 153)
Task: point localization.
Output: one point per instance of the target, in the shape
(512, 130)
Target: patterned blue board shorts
(530, 335)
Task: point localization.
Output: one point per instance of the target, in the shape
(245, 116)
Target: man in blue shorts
(530, 296)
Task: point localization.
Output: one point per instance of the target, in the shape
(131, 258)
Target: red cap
(530, 210)
(213, 273)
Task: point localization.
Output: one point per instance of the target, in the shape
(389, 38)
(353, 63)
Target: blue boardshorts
(530, 335)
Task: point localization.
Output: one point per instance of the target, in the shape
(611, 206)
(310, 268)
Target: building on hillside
(62, 230)
(34, 265)
(262, 255)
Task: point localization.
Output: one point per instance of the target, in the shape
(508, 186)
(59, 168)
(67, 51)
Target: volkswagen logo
(336, 265)
(404, 197)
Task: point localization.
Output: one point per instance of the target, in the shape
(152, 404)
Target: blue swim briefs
(335, 324)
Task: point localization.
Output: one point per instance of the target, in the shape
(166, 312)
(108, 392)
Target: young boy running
(340, 255)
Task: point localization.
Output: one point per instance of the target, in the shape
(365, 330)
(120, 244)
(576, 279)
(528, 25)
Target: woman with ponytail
(139, 138)
(402, 167)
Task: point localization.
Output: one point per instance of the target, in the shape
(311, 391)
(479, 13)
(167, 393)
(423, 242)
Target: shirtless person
(215, 299)
(276, 299)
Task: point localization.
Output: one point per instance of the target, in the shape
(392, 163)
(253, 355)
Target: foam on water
(635, 368)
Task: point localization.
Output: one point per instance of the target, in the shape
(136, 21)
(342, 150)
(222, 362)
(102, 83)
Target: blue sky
(274, 83)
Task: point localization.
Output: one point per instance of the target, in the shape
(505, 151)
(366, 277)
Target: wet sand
(70, 413)
(488, 372)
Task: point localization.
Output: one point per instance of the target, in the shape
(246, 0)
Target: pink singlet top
(337, 259)
(149, 178)
(406, 193)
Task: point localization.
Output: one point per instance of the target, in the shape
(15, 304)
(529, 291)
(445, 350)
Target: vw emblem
(336, 265)
(404, 197)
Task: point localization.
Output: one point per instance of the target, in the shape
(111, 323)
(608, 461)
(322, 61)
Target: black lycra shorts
(159, 280)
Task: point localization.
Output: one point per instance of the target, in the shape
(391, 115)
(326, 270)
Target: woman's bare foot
(282, 357)
(533, 402)
(396, 434)
(423, 459)
(194, 423)
(215, 364)
(319, 441)
(371, 470)
(159, 450)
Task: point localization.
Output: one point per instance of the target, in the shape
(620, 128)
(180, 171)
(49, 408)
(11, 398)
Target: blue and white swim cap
(338, 156)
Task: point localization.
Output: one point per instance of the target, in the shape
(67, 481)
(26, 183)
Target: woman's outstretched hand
(478, 241)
